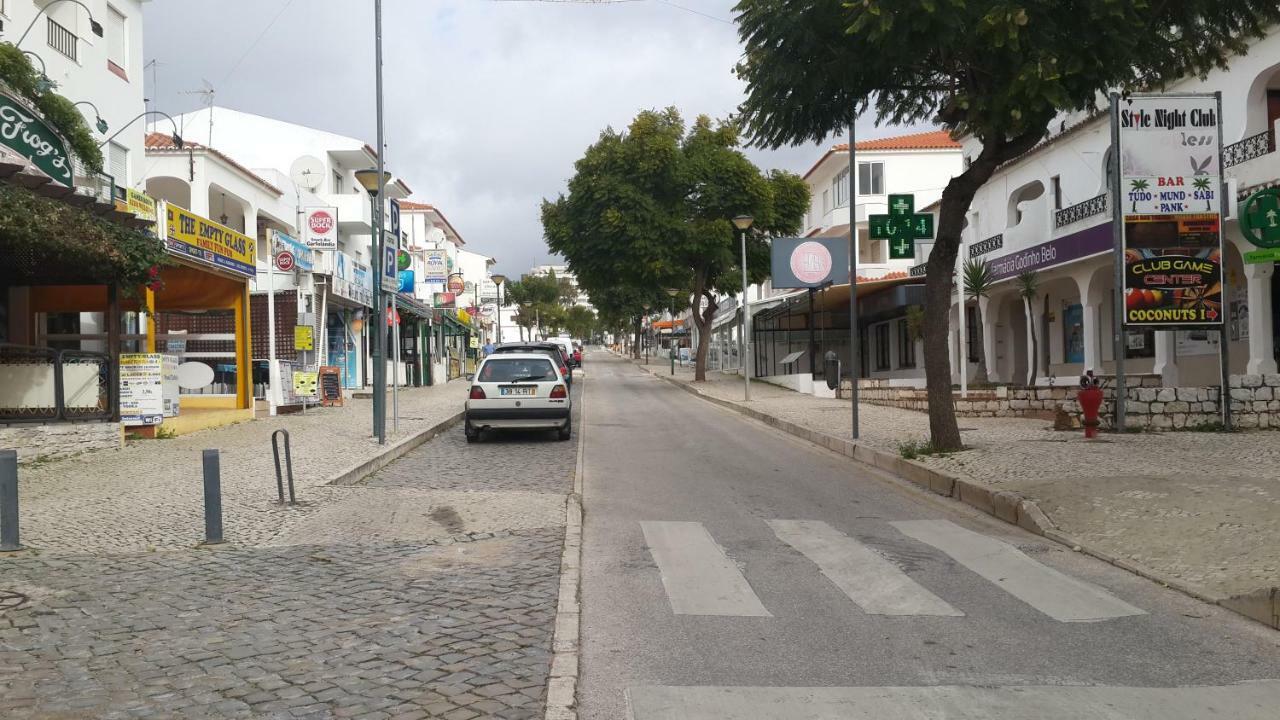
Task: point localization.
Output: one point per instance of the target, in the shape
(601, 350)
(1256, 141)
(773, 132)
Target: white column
(1261, 357)
(1091, 300)
(1166, 365)
(1033, 362)
(989, 339)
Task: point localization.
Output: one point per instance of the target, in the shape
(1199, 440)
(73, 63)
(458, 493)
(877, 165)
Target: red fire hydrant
(1090, 399)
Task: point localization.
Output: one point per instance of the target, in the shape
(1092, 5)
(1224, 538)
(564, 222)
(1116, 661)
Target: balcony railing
(1087, 209)
(62, 39)
(40, 384)
(1254, 146)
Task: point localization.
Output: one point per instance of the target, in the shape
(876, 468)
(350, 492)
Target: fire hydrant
(1090, 399)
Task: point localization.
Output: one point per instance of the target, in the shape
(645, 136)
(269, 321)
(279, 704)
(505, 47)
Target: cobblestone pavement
(411, 596)
(149, 494)
(1201, 507)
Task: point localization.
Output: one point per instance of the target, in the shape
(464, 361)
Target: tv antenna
(207, 92)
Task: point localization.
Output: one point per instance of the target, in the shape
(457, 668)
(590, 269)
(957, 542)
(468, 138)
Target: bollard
(212, 498)
(9, 501)
(288, 460)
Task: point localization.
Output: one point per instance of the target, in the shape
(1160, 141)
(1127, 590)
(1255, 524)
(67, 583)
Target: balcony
(354, 213)
(1252, 161)
(62, 39)
(1093, 207)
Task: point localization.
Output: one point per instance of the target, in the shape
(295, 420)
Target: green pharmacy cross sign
(901, 227)
(1260, 218)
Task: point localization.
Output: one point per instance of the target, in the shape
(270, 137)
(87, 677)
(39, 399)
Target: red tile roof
(412, 206)
(930, 140)
(161, 142)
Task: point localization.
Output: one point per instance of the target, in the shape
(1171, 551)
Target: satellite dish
(307, 172)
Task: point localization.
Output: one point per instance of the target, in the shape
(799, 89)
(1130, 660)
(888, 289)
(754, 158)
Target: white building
(314, 169)
(563, 271)
(1048, 211)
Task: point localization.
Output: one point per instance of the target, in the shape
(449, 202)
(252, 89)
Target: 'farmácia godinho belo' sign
(1170, 197)
(26, 134)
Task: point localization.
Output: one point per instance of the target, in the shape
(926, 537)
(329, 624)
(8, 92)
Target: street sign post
(901, 227)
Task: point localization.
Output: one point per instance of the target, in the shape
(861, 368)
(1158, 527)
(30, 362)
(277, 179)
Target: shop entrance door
(342, 348)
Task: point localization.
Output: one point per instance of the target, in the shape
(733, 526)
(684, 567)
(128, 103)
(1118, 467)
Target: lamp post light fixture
(98, 121)
(499, 280)
(374, 181)
(94, 26)
(743, 223)
(671, 344)
(177, 139)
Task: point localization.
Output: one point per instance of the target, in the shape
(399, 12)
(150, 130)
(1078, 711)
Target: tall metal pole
(1224, 338)
(273, 372)
(379, 365)
(855, 355)
(499, 313)
(1117, 241)
(671, 342)
(746, 325)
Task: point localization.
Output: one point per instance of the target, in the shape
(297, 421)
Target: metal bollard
(9, 501)
(212, 498)
(288, 461)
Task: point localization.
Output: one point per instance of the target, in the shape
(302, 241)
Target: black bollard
(9, 501)
(212, 498)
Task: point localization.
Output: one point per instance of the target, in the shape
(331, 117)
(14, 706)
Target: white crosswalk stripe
(1060, 597)
(1245, 701)
(697, 575)
(876, 585)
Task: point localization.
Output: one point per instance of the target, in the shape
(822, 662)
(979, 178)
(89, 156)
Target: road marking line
(873, 583)
(1057, 595)
(1245, 701)
(697, 575)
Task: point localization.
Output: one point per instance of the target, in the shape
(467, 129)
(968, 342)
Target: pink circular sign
(811, 262)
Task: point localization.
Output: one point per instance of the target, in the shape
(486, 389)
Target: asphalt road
(732, 572)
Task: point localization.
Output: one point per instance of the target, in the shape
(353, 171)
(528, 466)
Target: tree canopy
(651, 208)
(997, 70)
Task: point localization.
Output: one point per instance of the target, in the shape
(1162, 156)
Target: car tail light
(559, 392)
(477, 392)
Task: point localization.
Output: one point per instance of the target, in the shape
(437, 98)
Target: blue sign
(303, 256)
(406, 281)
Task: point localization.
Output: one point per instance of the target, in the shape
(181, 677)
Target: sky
(487, 103)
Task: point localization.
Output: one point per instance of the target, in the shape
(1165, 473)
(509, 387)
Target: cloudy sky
(488, 103)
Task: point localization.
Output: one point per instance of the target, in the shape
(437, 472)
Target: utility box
(831, 369)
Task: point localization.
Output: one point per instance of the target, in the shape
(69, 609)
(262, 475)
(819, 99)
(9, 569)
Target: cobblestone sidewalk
(1201, 507)
(148, 495)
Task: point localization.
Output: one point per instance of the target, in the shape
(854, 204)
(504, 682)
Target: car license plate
(526, 390)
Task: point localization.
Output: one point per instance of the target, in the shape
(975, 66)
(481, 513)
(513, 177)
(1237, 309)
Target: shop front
(199, 315)
(346, 303)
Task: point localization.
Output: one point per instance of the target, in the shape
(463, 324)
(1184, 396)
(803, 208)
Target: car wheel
(564, 432)
(472, 434)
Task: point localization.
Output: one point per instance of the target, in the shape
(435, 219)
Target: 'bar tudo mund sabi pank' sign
(809, 262)
(1170, 188)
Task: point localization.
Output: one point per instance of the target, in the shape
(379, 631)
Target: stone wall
(58, 440)
(1255, 402)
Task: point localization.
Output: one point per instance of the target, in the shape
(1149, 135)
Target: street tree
(580, 322)
(652, 208)
(996, 71)
(1028, 288)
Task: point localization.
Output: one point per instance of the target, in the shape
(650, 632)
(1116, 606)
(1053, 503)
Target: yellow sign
(196, 238)
(464, 316)
(475, 342)
(306, 384)
(304, 337)
(140, 204)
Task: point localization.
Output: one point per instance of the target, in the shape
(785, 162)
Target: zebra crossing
(700, 578)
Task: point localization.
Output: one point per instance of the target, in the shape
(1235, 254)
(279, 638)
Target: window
(61, 39)
(871, 178)
(118, 163)
(826, 201)
(1055, 183)
(117, 38)
(973, 333)
(840, 188)
(906, 346)
(882, 346)
(337, 183)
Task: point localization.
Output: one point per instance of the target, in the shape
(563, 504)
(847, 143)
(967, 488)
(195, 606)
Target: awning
(835, 231)
(836, 297)
(410, 306)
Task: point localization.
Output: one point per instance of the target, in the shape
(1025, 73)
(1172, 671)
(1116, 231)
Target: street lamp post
(671, 345)
(374, 181)
(499, 280)
(648, 331)
(94, 26)
(743, 223)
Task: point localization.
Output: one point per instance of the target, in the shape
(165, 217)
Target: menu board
(148, 388)
(330, 385)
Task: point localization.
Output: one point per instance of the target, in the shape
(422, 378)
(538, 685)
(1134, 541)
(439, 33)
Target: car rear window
(516, 370)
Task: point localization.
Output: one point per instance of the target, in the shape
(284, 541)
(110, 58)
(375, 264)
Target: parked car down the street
(518, 391)
(553, 350)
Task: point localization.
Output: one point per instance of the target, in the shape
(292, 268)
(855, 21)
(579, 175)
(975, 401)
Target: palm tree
(1202, 183)
(977, 284)
(1028, 287)
(1135, 186)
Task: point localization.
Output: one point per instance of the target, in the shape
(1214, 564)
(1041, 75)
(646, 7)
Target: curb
(562, 684)
(1261, 605)
(357, 472)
